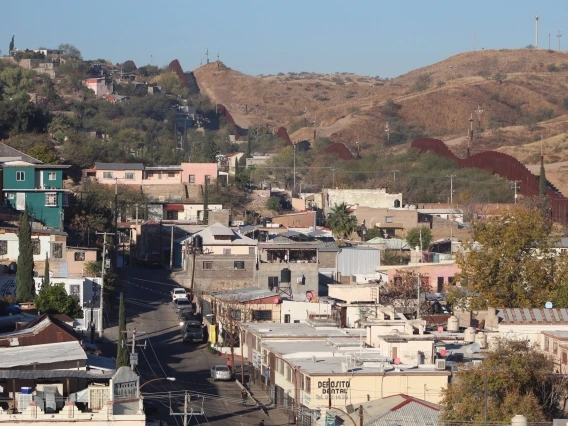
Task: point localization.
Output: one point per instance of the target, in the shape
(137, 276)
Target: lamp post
(171, 379)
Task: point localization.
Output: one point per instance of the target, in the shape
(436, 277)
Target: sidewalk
(277, 415)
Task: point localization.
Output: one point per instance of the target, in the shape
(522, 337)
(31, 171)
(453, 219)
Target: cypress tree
(11, 45)
(122, 358)
(46, 282)
(237, 171)
(542, 181)
(25, 286)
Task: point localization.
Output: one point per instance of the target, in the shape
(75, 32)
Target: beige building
(391, 221)
(375, 198)
(555, 346)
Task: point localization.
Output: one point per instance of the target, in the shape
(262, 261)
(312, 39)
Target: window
(546, 344)
(288, 374)
(251, 251)
(57, 250)
(208, 265)
(149, 174)
(75, 292)
(440, 284)
(564, 357)
(451, 280)
(308, 385)
(79, 256)
(51, 199)
(388, 219)
(227, 251)
(191, 178)
(36, 247)
(171, 174)
(302, 381)
(281, 369)
(236, 314)
(20, 176)
(239, 264)
(272, 282)
(262, 315)
(107, 175)
(3, 247)
(51, 176)
(129, 176)
(11, 196)
(554, 347)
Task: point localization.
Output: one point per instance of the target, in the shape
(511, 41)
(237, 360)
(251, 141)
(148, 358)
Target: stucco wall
(120, 174)
(377, 198)
(308, 270)
(299, 311)
(199, 170)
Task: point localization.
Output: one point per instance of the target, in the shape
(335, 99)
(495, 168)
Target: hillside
(438, 98)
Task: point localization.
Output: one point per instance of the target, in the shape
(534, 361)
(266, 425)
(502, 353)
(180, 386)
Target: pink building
(439, 276)
(137, 174)
(197, 172)
(99, 86)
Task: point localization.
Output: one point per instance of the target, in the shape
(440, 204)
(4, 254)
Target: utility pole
(132, 364)
(185, 418)
(451, 188)
(92, 320)
(294, 185)
(172, 247)
(516, 186)
(115, 235)
(103, 268)
(328, 393)
(360, 406)
(536, 32)
(559, 35)
(470, 138)
(418, 306)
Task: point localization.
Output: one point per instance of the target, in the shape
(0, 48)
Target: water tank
(453, 324)
(198, 242)
(469, 335)
(481, 339)
(285, 275)
(437, 307)
(519, 420)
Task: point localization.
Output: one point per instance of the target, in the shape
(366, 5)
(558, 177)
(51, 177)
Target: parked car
(152, 260)
(182, 304)
(185, 315)
(221, 372)
(179, 293)
(192, 331)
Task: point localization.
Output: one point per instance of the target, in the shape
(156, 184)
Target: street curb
(258, 403)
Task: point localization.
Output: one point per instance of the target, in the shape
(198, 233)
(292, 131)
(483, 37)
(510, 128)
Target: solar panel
(555, 312)
(547, 315)
(564, 314)
(518, 314)
(537, 315)
(528, 315)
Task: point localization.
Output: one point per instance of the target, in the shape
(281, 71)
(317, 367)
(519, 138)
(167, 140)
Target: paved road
(147, 296)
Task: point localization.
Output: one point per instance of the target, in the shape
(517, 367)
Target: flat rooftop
(41, 354)
(301, 330)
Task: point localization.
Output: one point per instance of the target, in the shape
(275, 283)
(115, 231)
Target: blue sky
(368, 37)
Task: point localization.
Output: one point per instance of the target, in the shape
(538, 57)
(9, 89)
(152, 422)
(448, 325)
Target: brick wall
(309, 270)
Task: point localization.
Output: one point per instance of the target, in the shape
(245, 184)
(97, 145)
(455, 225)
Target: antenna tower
(536, 35)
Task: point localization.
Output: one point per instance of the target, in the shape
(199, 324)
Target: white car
(221, 372)
(179, 293)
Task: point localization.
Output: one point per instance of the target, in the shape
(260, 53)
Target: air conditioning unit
(477, 362)
(440, 364)
(349, 408)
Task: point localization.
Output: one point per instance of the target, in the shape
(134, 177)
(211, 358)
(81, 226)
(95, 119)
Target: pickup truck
(192, 331)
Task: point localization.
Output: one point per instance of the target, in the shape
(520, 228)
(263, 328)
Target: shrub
(552, 68)
(422, 82)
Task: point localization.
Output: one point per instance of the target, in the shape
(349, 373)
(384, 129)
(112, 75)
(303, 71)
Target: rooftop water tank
(453, 324)
(481, 339)
(469, 335)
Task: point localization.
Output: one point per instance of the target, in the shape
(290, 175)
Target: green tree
(11, 45)
(519, 381)
(44, 153)
(341, 221)
(274, 204)
(70, 51)
(122, 358)
(511, 261)
(53, 299)
(499, 77)
(237, 171)
(25, 285)
(542, 181)
(373, 232)
(17, 81)
(417, 235)
(46, 282)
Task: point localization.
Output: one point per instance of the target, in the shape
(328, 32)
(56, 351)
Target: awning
(173, 207)
(81, 396)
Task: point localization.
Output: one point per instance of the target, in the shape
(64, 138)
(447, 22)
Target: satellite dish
(548, 305)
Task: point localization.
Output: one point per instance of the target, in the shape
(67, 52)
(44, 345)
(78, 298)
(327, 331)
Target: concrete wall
(121, 175)
(377, 198)
(299, 311)
(223, 275)
(387, 217)
(433, 271)
(75, 266)
(161, 177)
(296, 220)
(354, 293)
(308, 270)
(407, 350)
(327, 259)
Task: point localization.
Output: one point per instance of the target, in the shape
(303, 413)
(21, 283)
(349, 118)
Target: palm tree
(341, 221)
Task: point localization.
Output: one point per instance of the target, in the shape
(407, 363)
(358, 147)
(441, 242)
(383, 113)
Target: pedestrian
(244, 396)
(229, 364)
(261, 423)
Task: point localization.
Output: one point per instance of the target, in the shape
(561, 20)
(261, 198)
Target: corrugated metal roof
(534, 316)
(41, 354)
(244, 294)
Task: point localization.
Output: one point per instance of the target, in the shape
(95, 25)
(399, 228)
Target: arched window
(397, 203)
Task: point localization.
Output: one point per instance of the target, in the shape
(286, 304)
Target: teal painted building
(40, 186)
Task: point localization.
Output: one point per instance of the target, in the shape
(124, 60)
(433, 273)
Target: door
(287, 318)
(394, 353)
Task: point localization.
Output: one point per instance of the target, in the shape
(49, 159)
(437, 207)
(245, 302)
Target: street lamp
(171, 379)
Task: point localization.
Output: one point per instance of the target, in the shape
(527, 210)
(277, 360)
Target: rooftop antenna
(536, 35)
(207, 54)
(559, 35)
